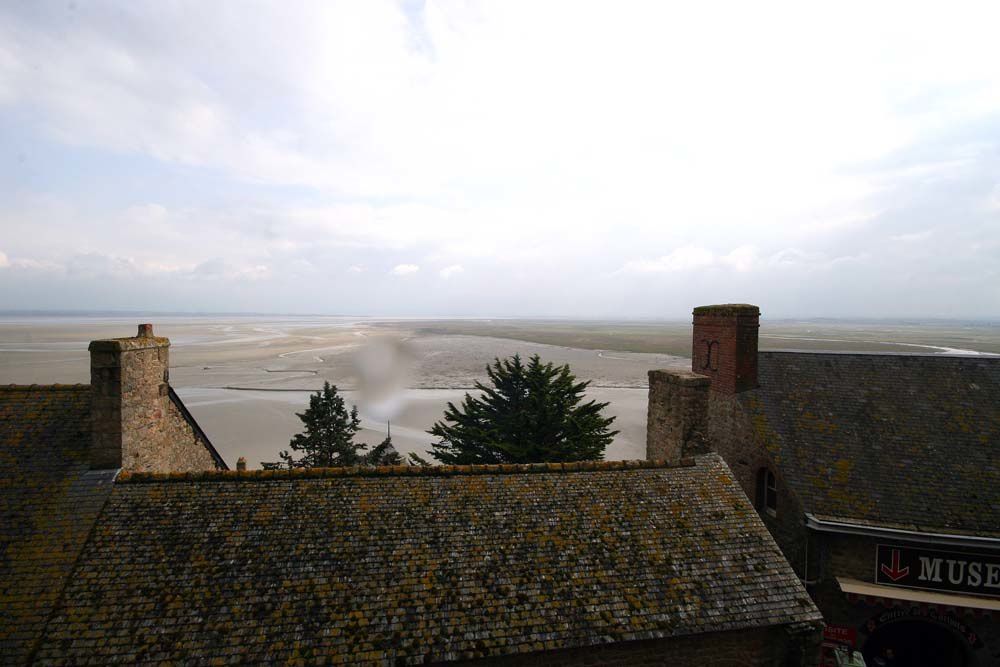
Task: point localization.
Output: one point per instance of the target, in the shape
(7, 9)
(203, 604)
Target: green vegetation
(532, 413)
(674, 337)
(663, 337)
(328, 439)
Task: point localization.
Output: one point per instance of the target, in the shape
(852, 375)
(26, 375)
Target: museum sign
(934, 570)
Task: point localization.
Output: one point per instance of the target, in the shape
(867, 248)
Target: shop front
(916, 610)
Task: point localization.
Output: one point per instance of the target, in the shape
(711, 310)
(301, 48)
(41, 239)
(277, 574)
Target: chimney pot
(241, 463)
(145, 331)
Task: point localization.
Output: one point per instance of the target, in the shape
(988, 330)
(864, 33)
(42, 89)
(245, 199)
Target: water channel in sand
(245, 377)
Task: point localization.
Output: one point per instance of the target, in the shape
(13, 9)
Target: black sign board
(930, 569)
(923, 613)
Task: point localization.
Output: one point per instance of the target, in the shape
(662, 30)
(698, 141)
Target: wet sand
(244, 378)
(257, 424)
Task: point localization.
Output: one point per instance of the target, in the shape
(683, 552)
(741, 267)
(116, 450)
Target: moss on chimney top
(729, 310)
(144, 339)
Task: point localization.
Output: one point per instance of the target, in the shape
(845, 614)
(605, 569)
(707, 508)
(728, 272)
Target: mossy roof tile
(49, 498)
(892, 440)
(446, 564)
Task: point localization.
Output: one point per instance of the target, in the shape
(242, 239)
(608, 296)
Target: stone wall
(738, 440)
(136, 424)
(772, 646)
(676, 423)
(183, 449)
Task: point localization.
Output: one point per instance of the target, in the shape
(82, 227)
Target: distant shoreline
(989, 320)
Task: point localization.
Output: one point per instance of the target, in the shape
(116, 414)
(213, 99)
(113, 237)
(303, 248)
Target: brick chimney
(724, 346)
(129, 399)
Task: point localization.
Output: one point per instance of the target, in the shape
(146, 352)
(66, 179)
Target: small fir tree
(532, 413)
(384, 454)
(328, 438)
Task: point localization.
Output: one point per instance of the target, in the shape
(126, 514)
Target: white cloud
(449, 271)
(455, 133)
(839, 223)
(30, 264)
(393, 113)
(685, 258)
(694, 258)
(4, 262)
(993, 202)
(404, 269)
(912, 237)
(791, 257)
(741, 259)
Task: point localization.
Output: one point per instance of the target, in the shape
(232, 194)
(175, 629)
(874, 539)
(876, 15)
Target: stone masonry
(735, 435)
(676, 422)
(136, 422)
(693, 411)
(899, 442)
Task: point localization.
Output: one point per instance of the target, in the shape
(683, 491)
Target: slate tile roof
(409, 565)
(48, 500)
(907, 441)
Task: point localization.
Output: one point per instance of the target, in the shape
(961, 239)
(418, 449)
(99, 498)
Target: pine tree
(532, 413)
(328, 438)
(384, 454)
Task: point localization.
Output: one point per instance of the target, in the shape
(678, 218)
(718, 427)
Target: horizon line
(97, 313)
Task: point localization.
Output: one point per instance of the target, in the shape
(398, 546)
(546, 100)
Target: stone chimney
(724, 346)
(677, 418)
(723, 360)
(129, 400)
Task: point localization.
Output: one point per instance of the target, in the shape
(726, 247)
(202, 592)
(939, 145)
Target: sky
(505, 158)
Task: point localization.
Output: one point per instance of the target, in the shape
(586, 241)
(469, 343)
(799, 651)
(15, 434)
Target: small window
(711, 360)
(767, 492)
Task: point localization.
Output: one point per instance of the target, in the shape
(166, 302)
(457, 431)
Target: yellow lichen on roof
(399, 471)
(423, 564)
(896, 440)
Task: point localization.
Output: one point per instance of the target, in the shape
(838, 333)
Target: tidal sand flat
(257, 424)
(245, 377)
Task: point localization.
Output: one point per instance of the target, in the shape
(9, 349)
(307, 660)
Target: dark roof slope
(48, 501)
(908, 441)
(414, 565)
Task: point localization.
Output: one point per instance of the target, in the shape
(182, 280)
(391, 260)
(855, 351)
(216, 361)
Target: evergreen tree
(328, 439)
(532, 413)
(384, 454)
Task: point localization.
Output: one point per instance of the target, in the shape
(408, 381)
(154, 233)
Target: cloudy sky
(618, 159)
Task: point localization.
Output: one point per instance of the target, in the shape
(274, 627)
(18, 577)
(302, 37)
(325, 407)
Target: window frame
(770, 493)
(767, 492)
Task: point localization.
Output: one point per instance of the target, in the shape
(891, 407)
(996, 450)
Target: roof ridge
(402, 471)
(982, 356)
(38, 387)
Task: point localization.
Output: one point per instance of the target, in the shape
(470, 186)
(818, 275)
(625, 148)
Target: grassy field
(675, 337)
